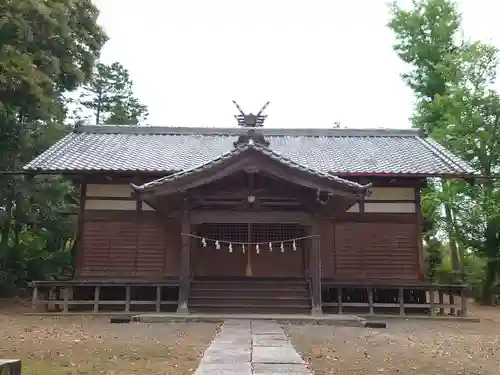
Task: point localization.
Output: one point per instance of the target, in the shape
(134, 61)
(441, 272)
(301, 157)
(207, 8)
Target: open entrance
(233, 257)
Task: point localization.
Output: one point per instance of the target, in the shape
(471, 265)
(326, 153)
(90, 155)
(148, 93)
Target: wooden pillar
(316, 271)
(97, 292)
(432, 302)
(452, 302)
(420, 248)
(65, 299)
(77, 250)
(340, 307)
(158, 298)
(463, 302)
(370, 301)
(185, 261)
(127, 298)
(34, 300)
(401, 299)
(138, 210)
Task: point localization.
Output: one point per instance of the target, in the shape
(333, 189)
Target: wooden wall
(378, 239)
(116, 244)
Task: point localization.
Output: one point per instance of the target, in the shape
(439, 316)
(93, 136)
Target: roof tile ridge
(49, 152)
(232, 131)
(440, 153)
(184, 172)
(298, 165)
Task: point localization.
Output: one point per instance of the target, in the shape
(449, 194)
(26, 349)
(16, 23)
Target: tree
(427, 40)
(472, 109)
(110, 96)
(453, 82)
(47, 48)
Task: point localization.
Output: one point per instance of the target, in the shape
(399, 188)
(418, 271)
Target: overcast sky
(317, 61)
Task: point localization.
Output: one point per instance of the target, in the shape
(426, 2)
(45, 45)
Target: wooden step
(253, 300)
(253, 286)
(231, 293)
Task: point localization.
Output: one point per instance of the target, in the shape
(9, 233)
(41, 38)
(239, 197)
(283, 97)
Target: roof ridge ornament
(251, 138)
(250, 120)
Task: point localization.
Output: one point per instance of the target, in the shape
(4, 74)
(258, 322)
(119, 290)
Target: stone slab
(234, 333)
(284, 354)
(224, 369)
(280, 369)
(227, 354)
(269, 340)
(242, 341)
(266, 328)
(327, 319)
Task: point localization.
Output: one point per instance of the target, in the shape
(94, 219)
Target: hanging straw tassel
(294, 246)
(257, 249)
(282, 247)
(217, 245)
(271, 247)
(230, 247)
(203, 242)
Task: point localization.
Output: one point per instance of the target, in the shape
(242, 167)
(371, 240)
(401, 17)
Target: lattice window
(275, 232)
(258, 232)
(225, 232)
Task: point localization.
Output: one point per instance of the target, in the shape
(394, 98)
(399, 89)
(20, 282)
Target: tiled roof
(353, 186)
(170, 149)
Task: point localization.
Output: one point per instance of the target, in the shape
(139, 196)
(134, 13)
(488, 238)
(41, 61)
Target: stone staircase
(250, 295)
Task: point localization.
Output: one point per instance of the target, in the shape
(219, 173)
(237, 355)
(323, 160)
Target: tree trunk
(6, 229)
(492, 263)
(455, 260)
(450, 230)
(17, 222)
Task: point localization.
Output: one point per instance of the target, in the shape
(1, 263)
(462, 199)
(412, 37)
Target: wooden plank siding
(381, 243)
(109, 246)
(376, 251)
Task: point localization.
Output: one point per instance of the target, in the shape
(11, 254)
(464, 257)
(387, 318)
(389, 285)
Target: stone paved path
(245, 347)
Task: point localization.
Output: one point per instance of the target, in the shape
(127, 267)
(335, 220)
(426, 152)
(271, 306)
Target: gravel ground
(405, 347)
(91, 346)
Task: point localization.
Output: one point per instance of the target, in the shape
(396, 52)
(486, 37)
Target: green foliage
(453, 82)
(110, 96)
(426, 36)
(47, 48)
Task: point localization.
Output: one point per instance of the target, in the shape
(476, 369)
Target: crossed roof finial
(250, 120)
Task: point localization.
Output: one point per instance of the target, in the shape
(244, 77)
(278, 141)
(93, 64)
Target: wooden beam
(185, 260)
(284, 217)
(256, 162)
